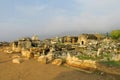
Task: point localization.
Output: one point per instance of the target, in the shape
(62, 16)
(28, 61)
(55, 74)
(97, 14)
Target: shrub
(115, 34)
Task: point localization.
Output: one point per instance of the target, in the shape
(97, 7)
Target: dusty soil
(33, 70)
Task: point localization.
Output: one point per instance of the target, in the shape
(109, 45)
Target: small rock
(99, 51)
(27, 54)
(57, 62)
(42, 59)
(116, 57)
(50, 57)
(17, 60)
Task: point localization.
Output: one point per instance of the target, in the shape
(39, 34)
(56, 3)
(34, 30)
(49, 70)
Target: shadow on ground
(78, 75)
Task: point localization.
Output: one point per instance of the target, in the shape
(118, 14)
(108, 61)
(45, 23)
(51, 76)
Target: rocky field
(33, 70)
(86, 57)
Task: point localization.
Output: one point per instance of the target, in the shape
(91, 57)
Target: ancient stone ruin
(83, 51)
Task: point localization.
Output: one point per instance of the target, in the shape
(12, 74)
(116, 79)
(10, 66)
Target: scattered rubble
(83, 50)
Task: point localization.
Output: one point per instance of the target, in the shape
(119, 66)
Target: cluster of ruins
(93, 47)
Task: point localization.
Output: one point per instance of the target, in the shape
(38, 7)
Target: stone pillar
(14, 46)
(28, 44)
(73, 41)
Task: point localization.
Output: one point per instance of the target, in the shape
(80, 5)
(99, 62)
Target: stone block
(57, 62)
(42, 59)
(17, 61)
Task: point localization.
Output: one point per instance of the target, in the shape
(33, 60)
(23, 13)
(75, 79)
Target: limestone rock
(42, 59)
(16, 47)
(35, 37)
(28, 44)
(99, 51)
(8, 51)
(84, 64)
(27, 54)
(50, 56)
(17, 60)
(36, 55)
(116, 57)
(57, 62)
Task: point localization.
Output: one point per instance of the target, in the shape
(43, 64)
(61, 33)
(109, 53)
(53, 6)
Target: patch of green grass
(111, 63)
(85, 57)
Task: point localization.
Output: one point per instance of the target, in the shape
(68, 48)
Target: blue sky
(20, 18)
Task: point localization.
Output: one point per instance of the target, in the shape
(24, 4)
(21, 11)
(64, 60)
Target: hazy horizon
(48, 18)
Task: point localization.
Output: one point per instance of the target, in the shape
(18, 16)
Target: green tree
(115, 34)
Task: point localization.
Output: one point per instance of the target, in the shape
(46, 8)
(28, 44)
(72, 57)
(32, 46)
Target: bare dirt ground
(33, 70)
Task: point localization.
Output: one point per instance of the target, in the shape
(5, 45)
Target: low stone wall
(84, 64)
(91, 65)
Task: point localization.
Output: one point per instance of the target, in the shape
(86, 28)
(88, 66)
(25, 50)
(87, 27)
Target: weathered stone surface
(28, 44)
(36, 55)
(42, 59)
(35, 38)
(50, 57)
(27, 54)
(17, 50)
(82, 39)
(99, 51)
(116, 57)
(84, 64)
(57, 62)
(16, 47)
(67, 39)
(6, 50)
(17, 60)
